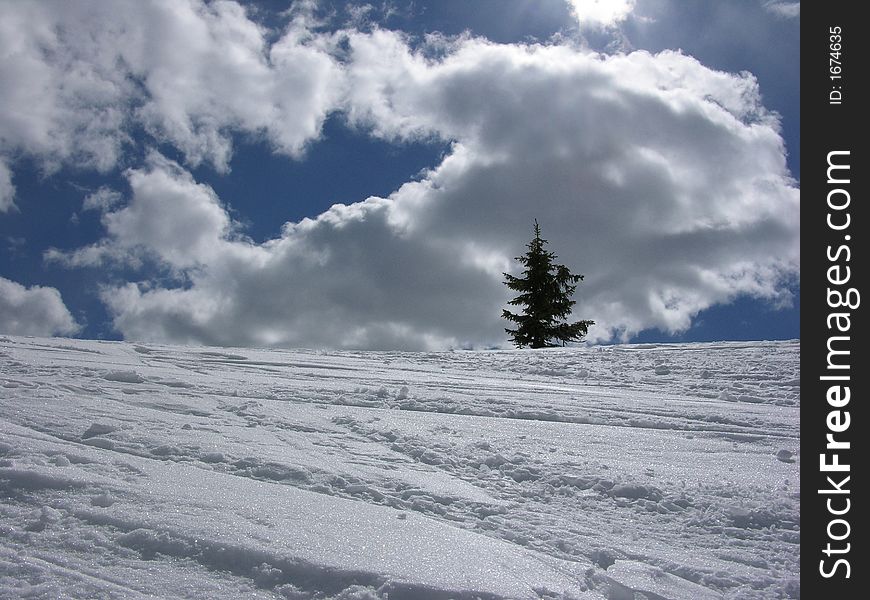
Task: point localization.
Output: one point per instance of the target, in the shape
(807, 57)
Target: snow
(601, 473)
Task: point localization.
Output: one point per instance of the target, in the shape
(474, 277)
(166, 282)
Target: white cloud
(170, 215)
(76, 78)
(348, 278)
(788, 10)
(218, 73)
(660, 180)
(63, 98)
(170, 219)
(601, 13)
(33, 311)
(101, 200)
(7, 189)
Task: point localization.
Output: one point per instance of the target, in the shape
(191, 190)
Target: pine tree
(545, 290)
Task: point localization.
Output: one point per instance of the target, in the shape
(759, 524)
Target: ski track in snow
(621, 473)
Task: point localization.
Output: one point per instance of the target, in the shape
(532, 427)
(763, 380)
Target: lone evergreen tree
(545, 290)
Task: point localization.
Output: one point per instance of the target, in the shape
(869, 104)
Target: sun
(601, 13)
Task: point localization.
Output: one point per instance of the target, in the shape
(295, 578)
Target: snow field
(645, 471)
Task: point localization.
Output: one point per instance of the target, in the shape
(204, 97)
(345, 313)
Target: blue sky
(358, 176)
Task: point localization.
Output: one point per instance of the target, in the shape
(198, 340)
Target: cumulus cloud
(601, 13)
(33, 311)
(220, 74)
(63, 98)
(660, 180)
(170, 220)
(76, 79)
(663, 181)
(348, 278)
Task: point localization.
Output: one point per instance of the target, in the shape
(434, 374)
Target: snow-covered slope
(622, 472)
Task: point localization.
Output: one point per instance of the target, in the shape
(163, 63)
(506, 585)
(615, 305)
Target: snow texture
(634, 472)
